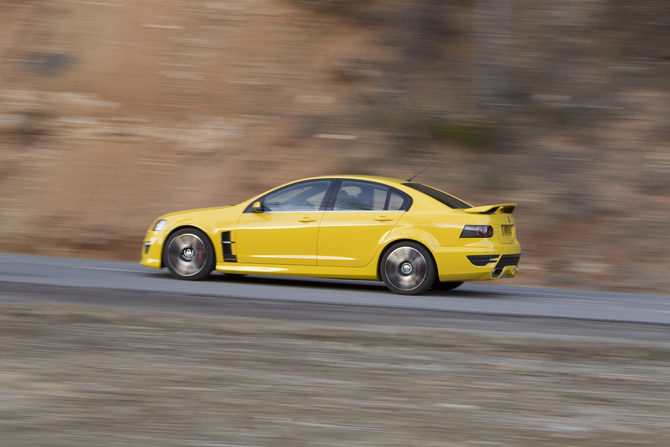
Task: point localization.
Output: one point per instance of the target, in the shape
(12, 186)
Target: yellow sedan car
(409, 235)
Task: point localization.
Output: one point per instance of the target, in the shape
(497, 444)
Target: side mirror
(257, 207)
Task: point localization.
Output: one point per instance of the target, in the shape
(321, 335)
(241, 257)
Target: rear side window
(442, 197)
(360, 197)
(396, 202)
(354, 195)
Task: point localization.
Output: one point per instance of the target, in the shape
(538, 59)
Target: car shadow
(298, 282)
(343, 284)
(335, 284)
(470, 294)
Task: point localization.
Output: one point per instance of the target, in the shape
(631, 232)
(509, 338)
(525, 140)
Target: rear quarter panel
(440, 229)
(433, 229)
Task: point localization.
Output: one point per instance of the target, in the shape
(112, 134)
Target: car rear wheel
(407, 268)
(451, 285)
(189, 254)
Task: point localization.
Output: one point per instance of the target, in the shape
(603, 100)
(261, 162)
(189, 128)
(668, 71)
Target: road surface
(66, 279)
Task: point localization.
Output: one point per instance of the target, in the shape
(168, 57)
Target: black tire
(189, 255)
(407, 268)
(450, 285)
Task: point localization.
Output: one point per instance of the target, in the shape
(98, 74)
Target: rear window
(442, 197)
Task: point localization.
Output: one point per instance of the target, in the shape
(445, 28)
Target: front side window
(306, 196)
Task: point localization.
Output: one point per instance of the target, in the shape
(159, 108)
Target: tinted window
(301, 197)
(442, 197)
(367, 196)
(396, 202)
(360, 196)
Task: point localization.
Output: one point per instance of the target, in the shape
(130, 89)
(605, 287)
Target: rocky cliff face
(114, 112)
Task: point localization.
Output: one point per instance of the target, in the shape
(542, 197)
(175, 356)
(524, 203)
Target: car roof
(403, 185)
(371, 178)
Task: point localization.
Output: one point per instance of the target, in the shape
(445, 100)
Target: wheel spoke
(186, 254)
(406, 268)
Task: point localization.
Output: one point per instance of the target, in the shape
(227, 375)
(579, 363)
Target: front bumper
(152, 249)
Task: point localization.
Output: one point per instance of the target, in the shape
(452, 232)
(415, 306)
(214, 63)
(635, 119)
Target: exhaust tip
(497, 272)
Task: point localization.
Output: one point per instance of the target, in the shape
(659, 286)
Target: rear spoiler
(490, 209)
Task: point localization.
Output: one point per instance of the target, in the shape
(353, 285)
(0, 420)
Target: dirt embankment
(114, 112)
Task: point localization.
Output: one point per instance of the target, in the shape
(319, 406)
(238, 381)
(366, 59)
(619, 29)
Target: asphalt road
(62, 278)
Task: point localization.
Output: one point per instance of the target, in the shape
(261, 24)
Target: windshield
(442, 197)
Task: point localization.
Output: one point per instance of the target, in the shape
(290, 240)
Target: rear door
(359, 219)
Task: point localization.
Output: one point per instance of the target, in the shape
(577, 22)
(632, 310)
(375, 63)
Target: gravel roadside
(87, 375)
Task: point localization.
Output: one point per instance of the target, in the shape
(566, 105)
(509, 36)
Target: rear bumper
(504, 264)
(466, 264)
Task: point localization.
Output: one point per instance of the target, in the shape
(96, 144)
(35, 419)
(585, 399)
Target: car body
(411, 236)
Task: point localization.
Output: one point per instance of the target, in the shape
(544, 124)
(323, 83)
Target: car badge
(509, 220)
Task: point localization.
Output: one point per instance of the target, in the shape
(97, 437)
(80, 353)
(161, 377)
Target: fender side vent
(227, 245)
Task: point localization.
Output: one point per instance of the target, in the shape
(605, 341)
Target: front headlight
(160, 225)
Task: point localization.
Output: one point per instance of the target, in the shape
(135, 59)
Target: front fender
(211, 221)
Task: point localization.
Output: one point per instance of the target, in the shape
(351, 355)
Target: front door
(286, 231)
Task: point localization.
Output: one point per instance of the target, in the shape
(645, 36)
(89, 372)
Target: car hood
(195, 211)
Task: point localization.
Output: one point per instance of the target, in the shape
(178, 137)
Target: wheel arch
(390, 244)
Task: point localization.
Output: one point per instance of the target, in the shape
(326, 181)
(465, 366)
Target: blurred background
(113, 112)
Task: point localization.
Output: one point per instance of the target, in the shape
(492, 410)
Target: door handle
(383, 219)
(307, 219)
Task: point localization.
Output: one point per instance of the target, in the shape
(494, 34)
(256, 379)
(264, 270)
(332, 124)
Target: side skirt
(368, 272)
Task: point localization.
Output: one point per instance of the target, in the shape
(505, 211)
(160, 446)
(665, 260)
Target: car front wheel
(407, 268)
(189, 254)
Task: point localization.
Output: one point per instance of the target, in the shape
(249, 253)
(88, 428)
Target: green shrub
(473, 133)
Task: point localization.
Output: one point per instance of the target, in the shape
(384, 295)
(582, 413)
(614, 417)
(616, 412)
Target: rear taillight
(477, 231)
